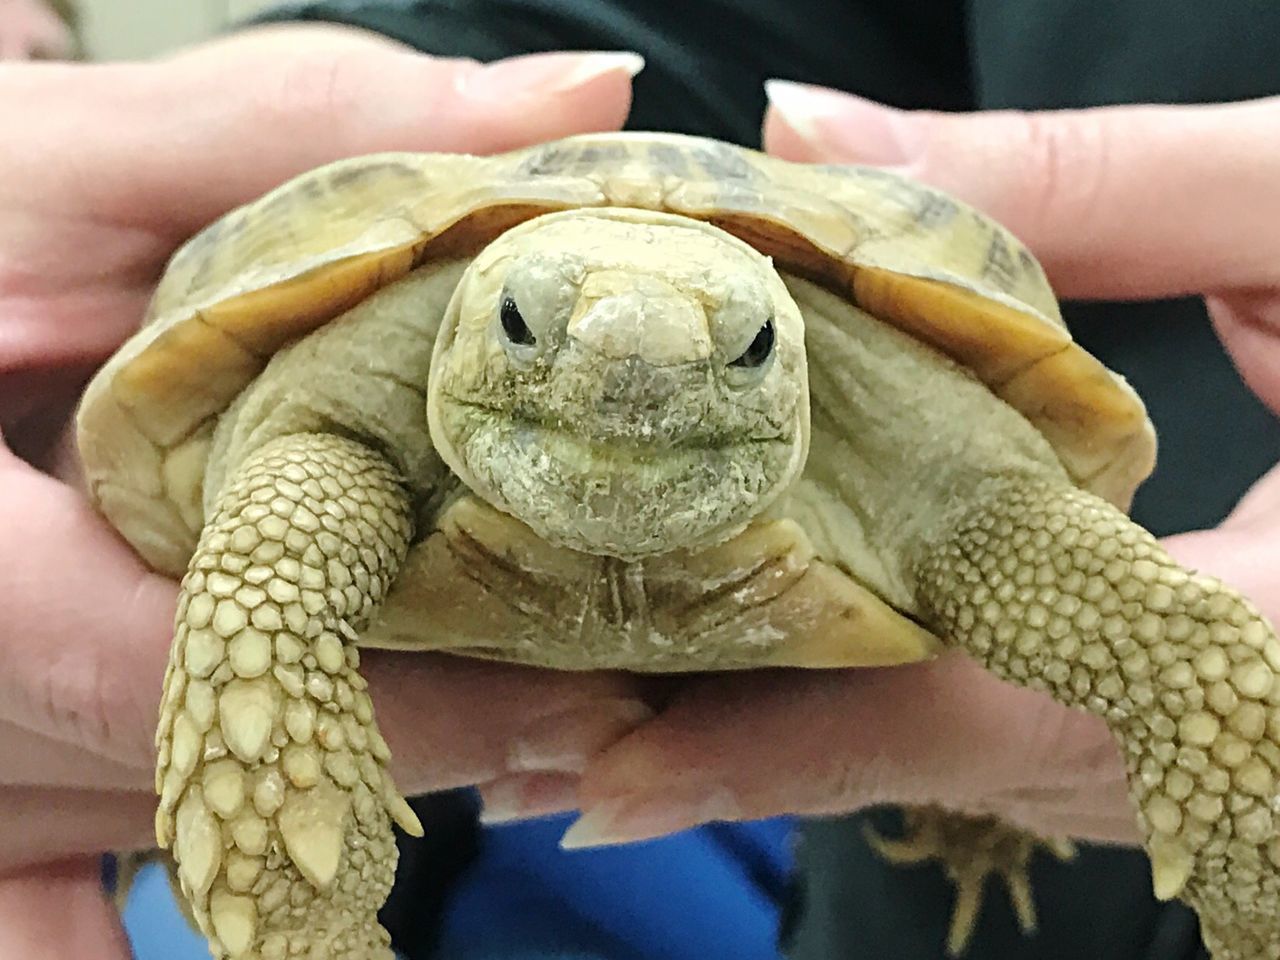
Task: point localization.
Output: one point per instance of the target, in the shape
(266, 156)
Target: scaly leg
(273, 792)
(1053, 588)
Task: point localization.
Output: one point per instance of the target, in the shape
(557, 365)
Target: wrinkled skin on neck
(624, 382)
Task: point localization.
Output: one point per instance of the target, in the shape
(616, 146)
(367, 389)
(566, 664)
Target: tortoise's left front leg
(273, 789)
(1051, 587)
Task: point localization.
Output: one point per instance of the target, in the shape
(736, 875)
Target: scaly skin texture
(1054, 588)
(273, 792)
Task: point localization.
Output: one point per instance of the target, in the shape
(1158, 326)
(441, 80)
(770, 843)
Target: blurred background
(111, 29)
(124, 29)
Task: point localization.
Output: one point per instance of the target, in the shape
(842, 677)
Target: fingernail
(526, 796)
(565, 742)
(842, 127)
(627, 821)
(542, 74)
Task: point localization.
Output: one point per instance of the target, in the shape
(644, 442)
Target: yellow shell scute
(262, 319)
(960, 322)
(158, 388)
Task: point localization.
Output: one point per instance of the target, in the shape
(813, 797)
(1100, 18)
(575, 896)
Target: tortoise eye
(760, 349)
(513, 325)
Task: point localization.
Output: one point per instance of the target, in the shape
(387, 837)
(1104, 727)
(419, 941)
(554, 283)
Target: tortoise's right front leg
(273, 792)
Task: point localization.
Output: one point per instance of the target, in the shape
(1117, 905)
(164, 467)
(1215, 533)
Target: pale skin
(709, 734)
(32, 30)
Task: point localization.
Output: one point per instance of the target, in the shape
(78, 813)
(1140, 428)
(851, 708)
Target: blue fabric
(707, 893)
(155, 925)
(701, 895)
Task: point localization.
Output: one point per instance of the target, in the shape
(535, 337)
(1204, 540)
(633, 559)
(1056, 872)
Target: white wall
(127, 29)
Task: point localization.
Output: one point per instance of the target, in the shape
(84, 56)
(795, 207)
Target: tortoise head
(624, 382)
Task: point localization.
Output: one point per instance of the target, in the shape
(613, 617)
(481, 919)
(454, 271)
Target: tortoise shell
(270, 272)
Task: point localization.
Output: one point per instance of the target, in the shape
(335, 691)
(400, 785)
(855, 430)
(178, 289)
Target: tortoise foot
(971, 849)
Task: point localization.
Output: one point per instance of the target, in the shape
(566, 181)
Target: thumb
(170, 145)
(1248, 324)
(1117, 202)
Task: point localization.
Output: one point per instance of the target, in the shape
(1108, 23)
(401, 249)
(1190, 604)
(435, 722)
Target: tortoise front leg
(273, 792)
(1051, 587)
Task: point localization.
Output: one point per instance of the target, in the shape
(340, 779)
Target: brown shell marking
(272, 271)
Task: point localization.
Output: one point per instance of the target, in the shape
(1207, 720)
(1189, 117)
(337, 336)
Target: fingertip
(629, 819)
(633, 764)
(781, 140)
(529, 99)
(544, 74)
(535, 722)
(812, 123)
(791, 122)
(1117, 202)
(565, 742)
(527, 796)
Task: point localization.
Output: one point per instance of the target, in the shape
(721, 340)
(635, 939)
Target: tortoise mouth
(608, 455)
(628, 436)
(627, 494)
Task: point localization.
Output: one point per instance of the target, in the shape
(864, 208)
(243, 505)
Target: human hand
(1120, 203)
(106, 170)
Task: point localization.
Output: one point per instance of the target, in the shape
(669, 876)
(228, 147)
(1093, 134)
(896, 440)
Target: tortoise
(649, 402)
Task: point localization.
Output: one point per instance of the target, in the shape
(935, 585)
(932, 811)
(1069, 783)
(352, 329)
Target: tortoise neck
(900, 433)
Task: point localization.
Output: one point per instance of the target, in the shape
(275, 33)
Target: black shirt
(706, 61)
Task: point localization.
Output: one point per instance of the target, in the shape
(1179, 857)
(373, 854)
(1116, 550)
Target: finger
(525, 796)
(56, 824)
(169, 146)
(1117, 202)
(1248, 323)
(834, 741)
(162, 149)
(544, 762)
(488, 720)
(30, 759)
(1236, 553)
(87, 626)
(57, 912)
